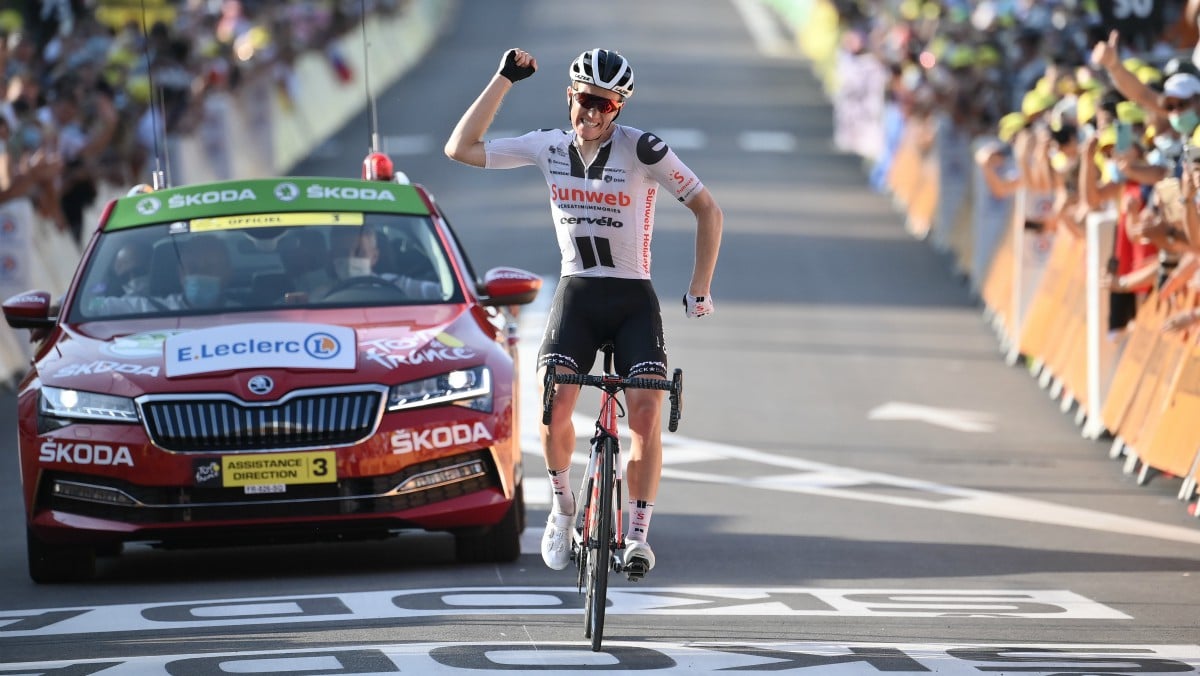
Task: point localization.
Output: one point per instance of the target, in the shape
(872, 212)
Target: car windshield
(256, 263)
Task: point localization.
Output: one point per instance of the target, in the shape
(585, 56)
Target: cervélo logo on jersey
(583, 196)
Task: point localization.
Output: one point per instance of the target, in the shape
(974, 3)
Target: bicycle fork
(589, 498)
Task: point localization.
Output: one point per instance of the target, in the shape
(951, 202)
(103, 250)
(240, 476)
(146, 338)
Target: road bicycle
(597, 540)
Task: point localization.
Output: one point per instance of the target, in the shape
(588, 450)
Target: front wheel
(601, 541)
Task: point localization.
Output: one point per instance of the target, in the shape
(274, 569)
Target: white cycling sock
(560, 482)
(639, 520)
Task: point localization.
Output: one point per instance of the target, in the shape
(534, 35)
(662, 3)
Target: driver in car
(356, 254)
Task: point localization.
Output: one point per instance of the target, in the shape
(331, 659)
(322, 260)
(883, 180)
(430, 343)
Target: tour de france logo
(148, 205)
(321, 345)
(286, 192)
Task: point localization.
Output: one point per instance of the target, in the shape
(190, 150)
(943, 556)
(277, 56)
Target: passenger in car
(204, 272)
(130, 271)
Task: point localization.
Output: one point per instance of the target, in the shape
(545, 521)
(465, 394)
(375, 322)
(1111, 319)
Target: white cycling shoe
(556, 541)
(639, 559)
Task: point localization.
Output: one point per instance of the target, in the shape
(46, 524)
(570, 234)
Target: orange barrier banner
(1172, 443)
(1160, 367)
(1044, 322)
(997, 292)
(1143, 337)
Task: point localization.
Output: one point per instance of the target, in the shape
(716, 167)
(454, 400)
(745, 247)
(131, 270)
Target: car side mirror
(29, 310)
(509, 286)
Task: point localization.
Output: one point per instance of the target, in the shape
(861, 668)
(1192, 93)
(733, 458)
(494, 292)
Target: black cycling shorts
(591, 311)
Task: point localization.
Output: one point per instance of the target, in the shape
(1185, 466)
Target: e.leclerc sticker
(263, 345)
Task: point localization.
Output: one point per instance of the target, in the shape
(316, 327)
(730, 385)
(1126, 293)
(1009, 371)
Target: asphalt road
(860, 483)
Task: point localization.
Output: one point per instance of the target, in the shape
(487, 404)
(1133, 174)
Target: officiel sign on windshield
(273, 220)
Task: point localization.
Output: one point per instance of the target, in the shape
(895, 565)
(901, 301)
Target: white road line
(814, 478)
(764, 28)
(818, 658)
(762, 141)
(767, 141)
(683, 139)
(624, 599)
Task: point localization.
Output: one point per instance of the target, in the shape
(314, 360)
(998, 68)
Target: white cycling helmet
(604, 68)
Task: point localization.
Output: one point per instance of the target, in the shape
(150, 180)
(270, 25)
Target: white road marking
(624, 599)
(764, 28)
(819, 658)
(683, 139)
(954, 419)
(813, 478)
(677, 138)
(767, 141)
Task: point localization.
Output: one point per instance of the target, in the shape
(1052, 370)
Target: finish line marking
(624, 656)
(358, 607)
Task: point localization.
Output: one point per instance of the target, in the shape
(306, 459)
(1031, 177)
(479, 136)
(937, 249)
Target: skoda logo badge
(148, 206)
(260, 385)
(286, 192)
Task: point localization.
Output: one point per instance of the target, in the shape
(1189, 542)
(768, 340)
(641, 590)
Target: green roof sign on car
(257, 196)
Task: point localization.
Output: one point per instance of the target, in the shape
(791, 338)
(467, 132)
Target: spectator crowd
(91, 90)
(1060, 102)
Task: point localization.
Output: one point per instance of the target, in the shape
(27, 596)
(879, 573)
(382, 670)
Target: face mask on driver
(138, 285)
(354, 266)
(201, 290)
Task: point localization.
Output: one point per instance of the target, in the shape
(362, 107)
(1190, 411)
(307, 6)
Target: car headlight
(466, 387)
(79, 405)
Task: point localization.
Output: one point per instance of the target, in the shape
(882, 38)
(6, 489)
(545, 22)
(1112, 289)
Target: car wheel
(498, 543)
(51, 563)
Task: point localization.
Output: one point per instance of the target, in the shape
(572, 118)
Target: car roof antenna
(159, 177)
(377, 166)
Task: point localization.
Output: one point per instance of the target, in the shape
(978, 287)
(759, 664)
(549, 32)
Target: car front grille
(307, 419)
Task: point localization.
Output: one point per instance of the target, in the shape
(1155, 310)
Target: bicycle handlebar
(617, 383)
(614, 384)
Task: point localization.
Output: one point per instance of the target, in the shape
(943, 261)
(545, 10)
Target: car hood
(222, 353)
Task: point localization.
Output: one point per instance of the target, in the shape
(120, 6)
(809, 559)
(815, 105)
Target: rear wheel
(499, 543)
(51, 563)
(601, 540)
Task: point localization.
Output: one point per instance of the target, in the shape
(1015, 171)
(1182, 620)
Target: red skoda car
(271, 360)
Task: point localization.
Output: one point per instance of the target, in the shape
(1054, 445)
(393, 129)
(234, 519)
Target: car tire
(52, 563)
(495, 544)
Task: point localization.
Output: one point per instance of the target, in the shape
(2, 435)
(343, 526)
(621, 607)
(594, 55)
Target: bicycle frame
(606, 428)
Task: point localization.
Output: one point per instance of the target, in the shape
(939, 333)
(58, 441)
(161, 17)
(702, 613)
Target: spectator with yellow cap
(1031, 147)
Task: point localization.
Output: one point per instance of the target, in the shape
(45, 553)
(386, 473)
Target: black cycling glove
(510, 69)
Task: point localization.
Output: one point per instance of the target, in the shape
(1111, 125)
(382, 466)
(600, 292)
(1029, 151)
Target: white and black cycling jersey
(603, 212)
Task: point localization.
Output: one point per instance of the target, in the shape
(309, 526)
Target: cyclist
(603, 180)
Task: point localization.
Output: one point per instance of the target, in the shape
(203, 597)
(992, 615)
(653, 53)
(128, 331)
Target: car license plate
(316, 467)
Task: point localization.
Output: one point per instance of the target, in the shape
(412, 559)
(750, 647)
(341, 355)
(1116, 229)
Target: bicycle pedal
(636, 570)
